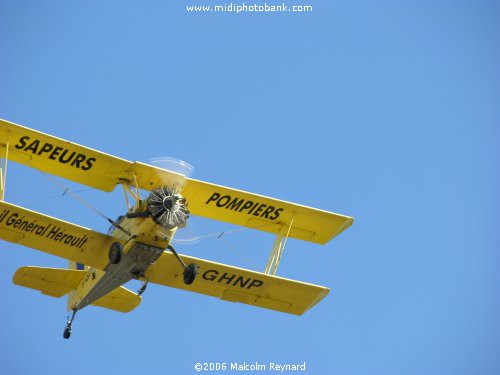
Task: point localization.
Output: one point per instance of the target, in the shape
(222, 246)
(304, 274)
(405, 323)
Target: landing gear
(143, 287)
(115, 253)
(69, 323)
(190, 271)
(67, 332)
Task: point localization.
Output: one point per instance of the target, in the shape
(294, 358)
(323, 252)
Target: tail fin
(71, 294)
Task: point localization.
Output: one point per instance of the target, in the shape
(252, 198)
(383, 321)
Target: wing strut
(135, 194)
(277, 250)
(3, 171)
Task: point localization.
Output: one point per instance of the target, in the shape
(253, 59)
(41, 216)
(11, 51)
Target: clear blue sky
(387, 111)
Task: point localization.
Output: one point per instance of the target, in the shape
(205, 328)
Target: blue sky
(386, 111)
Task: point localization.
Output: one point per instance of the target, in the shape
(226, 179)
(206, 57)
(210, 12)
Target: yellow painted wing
(53, 236)
(102, 171)
(239, 285)
(120, 299)
(75, 162)
(54, 282)
(263, 213)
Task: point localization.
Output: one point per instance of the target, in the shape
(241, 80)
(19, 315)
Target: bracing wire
(68, 191)
(221, 235)
(53, 196)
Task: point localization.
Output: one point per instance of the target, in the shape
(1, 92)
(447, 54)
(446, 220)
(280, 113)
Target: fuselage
(146, 242)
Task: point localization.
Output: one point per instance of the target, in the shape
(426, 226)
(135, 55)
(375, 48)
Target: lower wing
(238, 285)
(54, 236)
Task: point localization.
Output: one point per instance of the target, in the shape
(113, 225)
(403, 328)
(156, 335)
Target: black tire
(67, 333)
(190, 273)
(115, 253)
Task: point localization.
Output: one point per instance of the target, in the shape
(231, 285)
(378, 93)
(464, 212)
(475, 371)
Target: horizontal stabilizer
(54, 282)
(238, 285)
(120, 299)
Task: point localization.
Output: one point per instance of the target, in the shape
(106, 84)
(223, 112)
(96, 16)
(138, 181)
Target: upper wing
(70, 241)
(239, 285)
(263, 213)
(102, 171)
(77, 163)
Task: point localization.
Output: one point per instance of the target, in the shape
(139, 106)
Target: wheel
(190, 273)
(67, 332)
(115, 253)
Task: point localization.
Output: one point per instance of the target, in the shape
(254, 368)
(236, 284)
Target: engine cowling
(168, 208)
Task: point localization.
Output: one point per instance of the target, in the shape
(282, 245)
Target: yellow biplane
(138, 244)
